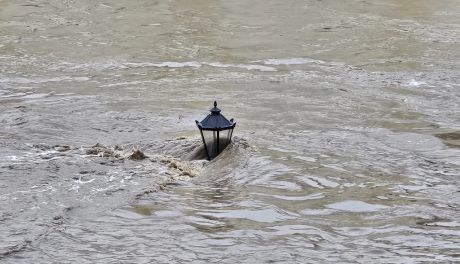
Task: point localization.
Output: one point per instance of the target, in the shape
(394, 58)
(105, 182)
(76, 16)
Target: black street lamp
(216, 132)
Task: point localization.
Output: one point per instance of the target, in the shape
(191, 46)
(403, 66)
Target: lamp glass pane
(210, 138)
(224, 139)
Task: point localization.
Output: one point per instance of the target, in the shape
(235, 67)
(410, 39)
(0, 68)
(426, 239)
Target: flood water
(347, 144)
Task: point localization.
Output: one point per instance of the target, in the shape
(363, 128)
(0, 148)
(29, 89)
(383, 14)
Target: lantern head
(216, 132)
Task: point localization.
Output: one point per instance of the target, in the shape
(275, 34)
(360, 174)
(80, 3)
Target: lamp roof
(215, 121)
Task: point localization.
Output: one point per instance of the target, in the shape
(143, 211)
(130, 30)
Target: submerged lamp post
(216, 132)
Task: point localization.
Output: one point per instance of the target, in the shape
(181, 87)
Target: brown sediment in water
(116, 152)
(186, 159)
(176, 170)
(142, 209)
(181, 168)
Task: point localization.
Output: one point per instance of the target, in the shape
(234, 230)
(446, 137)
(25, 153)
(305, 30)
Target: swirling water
(347, 146)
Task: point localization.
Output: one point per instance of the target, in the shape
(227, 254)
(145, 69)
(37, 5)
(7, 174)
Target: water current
(346, 150)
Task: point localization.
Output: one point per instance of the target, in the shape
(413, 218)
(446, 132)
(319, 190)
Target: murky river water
(347, 147)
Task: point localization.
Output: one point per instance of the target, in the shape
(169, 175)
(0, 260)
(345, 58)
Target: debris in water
(180, 168)
(61, 148)
(103, 151)
(58, 219)
(118, 148)
(116, 152)
(137, 155)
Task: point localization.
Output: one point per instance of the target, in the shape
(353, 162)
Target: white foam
(167, 213)
(36, 96)
(289, 61)
(21, 80)
(109, 65)
(317, 212)
(12, 158)
(324, 182)
(300, 198)
(355, 206)
(445, 224)
(414, 83)
(308, 159)
(166, 64)
(13, 95)
(413, 188)
(241, 66)
(195, 64)
(124, 84)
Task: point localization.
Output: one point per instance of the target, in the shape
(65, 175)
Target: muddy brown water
(347, 146)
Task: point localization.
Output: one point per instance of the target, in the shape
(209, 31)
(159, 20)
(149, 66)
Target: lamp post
(216, 132)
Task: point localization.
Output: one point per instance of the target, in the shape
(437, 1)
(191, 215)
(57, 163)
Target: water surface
(347, 145)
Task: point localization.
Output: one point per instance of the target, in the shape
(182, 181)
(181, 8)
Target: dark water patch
(451, 139)
(31, 5)
(429, 221)
(86, 171)
(58, 147)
